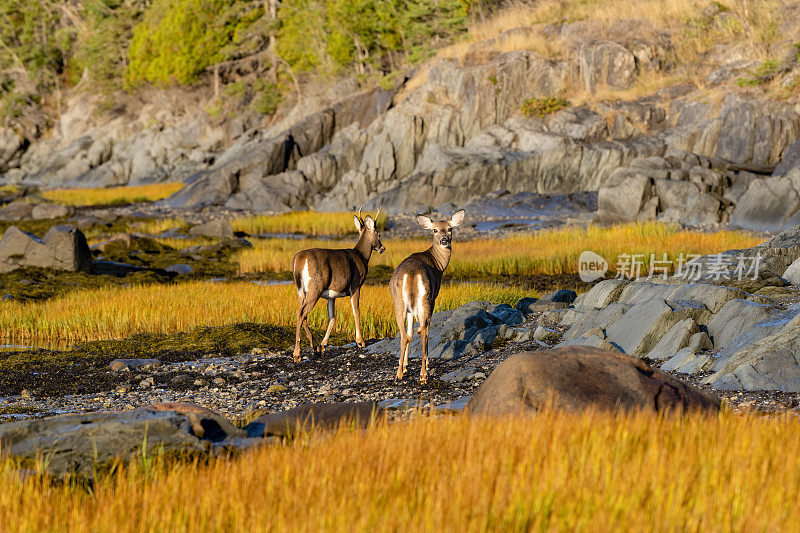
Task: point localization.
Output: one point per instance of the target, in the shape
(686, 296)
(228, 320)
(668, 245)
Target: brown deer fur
(415, 285)
(330, 274)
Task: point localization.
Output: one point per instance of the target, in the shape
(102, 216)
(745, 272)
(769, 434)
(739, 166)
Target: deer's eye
(436, 231)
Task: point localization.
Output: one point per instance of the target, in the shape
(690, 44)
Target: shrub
(178, 39)
(764, 73)
(541, 107)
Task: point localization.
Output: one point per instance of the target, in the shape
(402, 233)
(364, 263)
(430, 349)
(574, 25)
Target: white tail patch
(305, 277)
(407, 309)
(420, 295)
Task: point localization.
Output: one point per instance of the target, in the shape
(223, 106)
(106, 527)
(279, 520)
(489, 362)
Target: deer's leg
(331, 322)
(399, 315)
(302, 321)
(409, 316)
(423, 333)
(297, 333)
(354, 303)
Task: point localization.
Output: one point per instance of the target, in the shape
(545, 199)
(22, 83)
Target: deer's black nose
(445, 242)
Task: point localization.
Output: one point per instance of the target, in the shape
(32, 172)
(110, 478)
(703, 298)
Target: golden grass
(113, 313)
(544, 252)
(112, 195)
(308, 222)
(550, 472)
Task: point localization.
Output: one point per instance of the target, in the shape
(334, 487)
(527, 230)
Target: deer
(331, 274)
(415, 284)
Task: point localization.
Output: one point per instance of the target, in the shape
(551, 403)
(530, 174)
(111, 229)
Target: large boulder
(576, 378)
(62, 248)
(82, 443)
(767, 205)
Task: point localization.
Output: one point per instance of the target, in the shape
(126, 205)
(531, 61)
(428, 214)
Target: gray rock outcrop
(79, 444)
(465, 330)
(62, 248)
(745, 340)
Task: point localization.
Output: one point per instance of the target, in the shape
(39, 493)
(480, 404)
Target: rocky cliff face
(456, 132)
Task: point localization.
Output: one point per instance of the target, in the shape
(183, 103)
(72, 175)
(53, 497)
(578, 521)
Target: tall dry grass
(112, 195)
(308, 222)
(544, 252)
(749, 23)
(113, 313)
(549, 472)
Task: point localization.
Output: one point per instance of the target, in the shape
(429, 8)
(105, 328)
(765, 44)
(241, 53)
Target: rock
(767, 205)
(673, 193)
(591, 341)
(508, 315)
(561, 296)
(542, 333)
(737, 317)
(687, 360)
(180, 268)
(63, 248)
(216, 229)
(50, 210)
(16, 211)
(792, 273)
(82, 444)
(606, 64)
(592, 319)
(578, 378)
(674, 340)
(206, 423)
(128, 241)
(529, 305)
(603, 294)
(701, 210)
(276, 387)
(766, 364)
(313, 416)
(119, 365)
(790, 160)
(458, 375)
(453, 332)
(10, 143)
(622, 203)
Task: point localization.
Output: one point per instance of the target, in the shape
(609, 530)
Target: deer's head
(368, 229)
(443, 229)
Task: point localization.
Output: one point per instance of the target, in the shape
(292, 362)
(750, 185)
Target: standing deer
(415, 285)
(334, 273)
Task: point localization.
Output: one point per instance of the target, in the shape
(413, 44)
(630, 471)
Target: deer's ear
(424, 222)
(369, 223)
(457, 218)
(358, 222)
